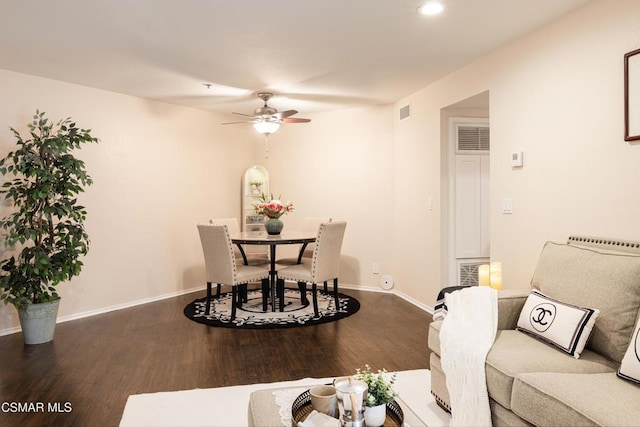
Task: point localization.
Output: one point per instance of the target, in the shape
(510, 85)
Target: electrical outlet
(376, 268)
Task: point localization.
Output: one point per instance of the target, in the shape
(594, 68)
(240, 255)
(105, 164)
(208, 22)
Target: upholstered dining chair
(323, 267)
(251, 258)
(311, 224)
(221, 267)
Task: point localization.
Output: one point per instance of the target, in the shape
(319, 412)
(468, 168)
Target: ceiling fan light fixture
(432, 7)
(266, 127)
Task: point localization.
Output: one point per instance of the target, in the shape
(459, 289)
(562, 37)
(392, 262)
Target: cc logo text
(542, 316)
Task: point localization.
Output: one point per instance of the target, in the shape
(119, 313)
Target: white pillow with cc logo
(566, 326)
(630, 367)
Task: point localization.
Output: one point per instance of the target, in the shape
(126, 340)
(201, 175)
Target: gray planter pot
(38, 321)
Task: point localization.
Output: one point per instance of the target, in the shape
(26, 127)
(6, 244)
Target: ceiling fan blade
(235, 123)
(284, 114)
(242, 114)
(295, 120)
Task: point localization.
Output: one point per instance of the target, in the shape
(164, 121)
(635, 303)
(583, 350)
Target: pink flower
(273, 208)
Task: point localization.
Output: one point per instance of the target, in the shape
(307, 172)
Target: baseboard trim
(143, 301)
(111, 308)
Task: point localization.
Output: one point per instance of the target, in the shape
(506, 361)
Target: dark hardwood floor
(95, 363)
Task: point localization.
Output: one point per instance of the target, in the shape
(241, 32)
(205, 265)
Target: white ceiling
(314, 54)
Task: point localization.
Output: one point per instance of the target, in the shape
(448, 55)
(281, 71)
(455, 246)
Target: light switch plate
(516, 159)
(507, 206)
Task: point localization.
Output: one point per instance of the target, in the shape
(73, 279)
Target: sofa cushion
(514, 352)
(630, 366)
(502, 417)
(433, 339)
(588, 277)
(576, 399)
(564, 325)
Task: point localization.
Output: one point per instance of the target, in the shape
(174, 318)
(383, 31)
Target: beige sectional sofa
(531, 382)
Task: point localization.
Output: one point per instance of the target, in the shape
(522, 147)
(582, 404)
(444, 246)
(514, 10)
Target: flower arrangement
(272, 207)
(380, 385)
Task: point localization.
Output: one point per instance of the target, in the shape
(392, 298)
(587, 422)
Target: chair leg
(207, 308)
(280, 292)
(265, 294)
(303, 293)
(218, 290)
(335, 293)
(242, 294)
(326, 290)
(234, 299)
(314, 290)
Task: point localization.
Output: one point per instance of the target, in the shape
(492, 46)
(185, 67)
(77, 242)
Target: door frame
(452, 261)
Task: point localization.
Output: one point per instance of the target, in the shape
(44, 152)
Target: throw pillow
(563, 325)
(630, 367)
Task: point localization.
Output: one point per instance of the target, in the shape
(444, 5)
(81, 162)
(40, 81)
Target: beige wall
(158, 171)
(556, 95)
(339, 166)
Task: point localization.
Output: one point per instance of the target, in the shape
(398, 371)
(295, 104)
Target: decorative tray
(301, 408)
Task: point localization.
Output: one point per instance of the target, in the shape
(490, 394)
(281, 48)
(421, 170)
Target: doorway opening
(466, 144)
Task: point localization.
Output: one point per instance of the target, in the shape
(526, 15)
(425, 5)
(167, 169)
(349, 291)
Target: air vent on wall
(473, 138)
(468, 273)
(405, 112)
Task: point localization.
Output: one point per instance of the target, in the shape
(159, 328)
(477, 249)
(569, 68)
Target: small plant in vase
(380, 393)
(273, 209)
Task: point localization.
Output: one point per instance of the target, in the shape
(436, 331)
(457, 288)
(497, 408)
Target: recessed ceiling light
(431, 8)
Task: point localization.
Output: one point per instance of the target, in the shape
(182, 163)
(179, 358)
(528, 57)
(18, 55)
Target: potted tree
(44, 236)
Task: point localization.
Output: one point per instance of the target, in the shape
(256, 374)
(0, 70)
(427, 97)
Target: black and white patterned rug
(251, 315)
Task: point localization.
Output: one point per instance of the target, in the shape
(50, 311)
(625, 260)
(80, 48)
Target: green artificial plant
(45, 234)
(380, 385)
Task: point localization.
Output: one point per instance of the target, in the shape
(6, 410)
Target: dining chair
(222, 269)
(311, 224)
(251, 258)
(323, 267)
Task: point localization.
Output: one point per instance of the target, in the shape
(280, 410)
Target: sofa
(532, 382)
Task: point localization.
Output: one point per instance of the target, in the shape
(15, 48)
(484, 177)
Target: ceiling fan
(267, 120)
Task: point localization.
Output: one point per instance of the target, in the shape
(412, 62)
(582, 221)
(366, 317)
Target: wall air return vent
(468, 272)
(405, 112)
(473, 138)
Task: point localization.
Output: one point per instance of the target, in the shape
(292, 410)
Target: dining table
(273, 241)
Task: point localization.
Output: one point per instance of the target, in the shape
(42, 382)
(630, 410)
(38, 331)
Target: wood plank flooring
(95, 363)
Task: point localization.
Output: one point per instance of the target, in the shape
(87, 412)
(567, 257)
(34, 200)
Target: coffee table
(265, 411)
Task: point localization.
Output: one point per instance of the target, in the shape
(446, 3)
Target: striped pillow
(630, 367)
(565, 326)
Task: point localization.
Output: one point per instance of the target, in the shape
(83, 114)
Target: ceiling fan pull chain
(266, 146)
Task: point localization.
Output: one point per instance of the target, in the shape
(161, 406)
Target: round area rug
(251, 315)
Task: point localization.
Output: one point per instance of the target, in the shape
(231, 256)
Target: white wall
(158, 170)
(557, 95)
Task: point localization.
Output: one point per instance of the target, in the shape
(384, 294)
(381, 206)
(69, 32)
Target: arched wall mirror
(254, 183)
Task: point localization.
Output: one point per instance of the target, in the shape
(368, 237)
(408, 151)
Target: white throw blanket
(467, 333)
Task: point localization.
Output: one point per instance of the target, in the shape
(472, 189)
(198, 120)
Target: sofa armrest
(510, 303)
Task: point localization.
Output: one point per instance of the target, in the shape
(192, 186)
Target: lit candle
(483, 275)
(496, 275)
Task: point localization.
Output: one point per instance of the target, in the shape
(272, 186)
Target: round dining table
(262, 238)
